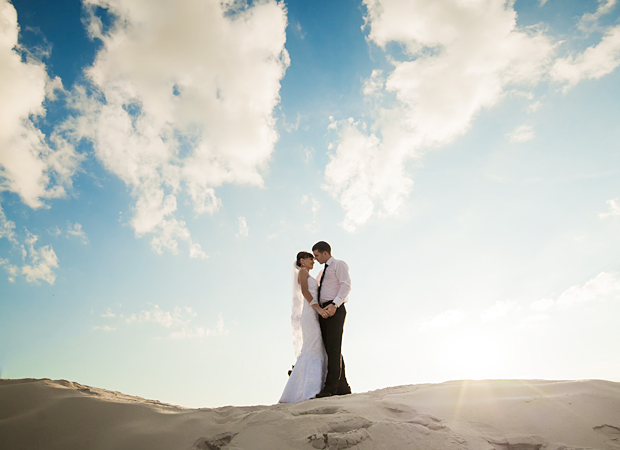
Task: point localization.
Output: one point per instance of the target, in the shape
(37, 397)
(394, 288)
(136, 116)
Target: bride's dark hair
(303, 255)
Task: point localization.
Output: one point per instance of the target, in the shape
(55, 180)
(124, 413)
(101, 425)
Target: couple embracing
(318, 316)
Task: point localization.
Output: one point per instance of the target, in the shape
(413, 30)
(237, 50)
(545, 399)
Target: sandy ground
(488, 415)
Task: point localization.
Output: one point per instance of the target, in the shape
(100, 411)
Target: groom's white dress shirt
(337, 283)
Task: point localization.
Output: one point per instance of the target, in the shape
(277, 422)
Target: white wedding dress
(309, 372)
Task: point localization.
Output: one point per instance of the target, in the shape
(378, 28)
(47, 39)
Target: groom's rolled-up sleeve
(342, 275)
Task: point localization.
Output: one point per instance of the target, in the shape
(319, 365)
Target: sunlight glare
(473, 355)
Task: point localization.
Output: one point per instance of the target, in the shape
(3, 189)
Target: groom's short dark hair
(322, 246)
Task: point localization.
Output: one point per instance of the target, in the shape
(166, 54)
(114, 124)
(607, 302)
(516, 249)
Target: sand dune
(485, 415)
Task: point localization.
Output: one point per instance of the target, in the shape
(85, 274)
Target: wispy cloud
(604, 287)
(181, 101)
(11, 270)
(308, 153)
(37, 263)
(589, 21)
(298, 30)
(108, 313)
(7, 231)
(7, 228)
(178, 317)
(43, 261)
(534, 106)
(614, 208)
(308, 200)
(522, 133)
(243, 228)
(595, 62)
(180, 323)
(55, 231)
(290, 127)
(75, 230)
(201, 332)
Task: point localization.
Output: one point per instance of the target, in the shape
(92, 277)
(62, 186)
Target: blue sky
(161, 163)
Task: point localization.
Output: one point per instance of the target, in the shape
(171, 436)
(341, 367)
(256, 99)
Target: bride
(308, 375)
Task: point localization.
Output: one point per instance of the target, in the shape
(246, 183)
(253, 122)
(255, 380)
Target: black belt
(329, 302)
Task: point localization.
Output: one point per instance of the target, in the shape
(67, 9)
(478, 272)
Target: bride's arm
(303, 282)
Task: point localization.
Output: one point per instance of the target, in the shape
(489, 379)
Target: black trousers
(331, 329)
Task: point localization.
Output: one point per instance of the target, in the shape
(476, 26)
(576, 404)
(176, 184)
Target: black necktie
(318, 295)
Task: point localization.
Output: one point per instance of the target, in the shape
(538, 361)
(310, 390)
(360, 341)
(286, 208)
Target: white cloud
(534, 106)
(42, 261)
(76, 230)
(12, 270)
(614, 208)
(290, 127)
(108, 313)
(243, 227)
(196, 252)
(374, 85)
(314, 209)
(522, 133)
(178, 317)
(308, 153)
(299, 31)
(443, 320)
(589, 21)
(460, 57)
(180, 322)
(605, 286)
(314, 203)
(201, 332)
(105, 328)
(31, 165)
(366, 176)
(595, 62)
(499, 309)
(7, 228)
(182, 102)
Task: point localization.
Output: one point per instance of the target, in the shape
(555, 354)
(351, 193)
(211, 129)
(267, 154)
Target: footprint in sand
(213, 443)
(518, 443)
(340, 441)
(345, 433)
(611, 433)
(318, 411)
(403, 413)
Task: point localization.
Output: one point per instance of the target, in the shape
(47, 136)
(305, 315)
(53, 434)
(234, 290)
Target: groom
(334, 287)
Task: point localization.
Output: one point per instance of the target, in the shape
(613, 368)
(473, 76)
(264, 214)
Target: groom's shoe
(343, 391)
(323, 394)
